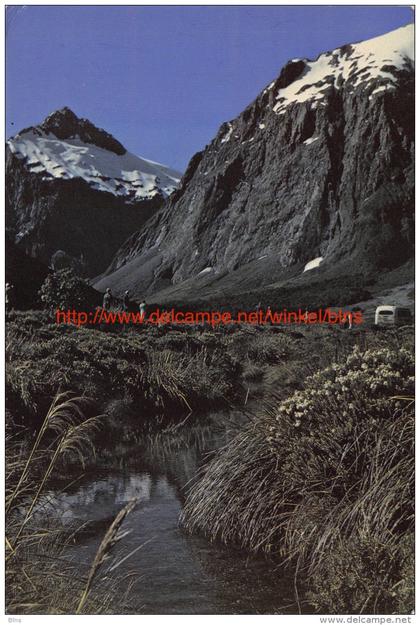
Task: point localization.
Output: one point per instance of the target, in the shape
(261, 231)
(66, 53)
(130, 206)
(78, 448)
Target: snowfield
(361, 64)
(124, 175)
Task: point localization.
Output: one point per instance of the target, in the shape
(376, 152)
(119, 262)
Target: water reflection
(181, 574)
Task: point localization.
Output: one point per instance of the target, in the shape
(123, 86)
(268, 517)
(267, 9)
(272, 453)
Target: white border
(175, 619)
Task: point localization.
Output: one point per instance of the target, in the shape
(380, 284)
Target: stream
(180, 573)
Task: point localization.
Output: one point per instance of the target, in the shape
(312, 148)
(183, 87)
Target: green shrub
(332, 463)
(65, 290)
(364, 575)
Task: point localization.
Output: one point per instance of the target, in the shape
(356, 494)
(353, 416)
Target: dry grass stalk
(111, 538)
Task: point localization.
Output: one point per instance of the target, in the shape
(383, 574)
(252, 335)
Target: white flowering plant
(327, 473)
(369, 383)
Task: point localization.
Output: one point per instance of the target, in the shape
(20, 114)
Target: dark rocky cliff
(60, 197)
(44, 216)
(309, 169)
(64, 124)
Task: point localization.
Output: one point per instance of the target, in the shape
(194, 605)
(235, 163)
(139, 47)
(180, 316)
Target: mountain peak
(58, 117)
(373, 65)
(65, 124)
(65, 147)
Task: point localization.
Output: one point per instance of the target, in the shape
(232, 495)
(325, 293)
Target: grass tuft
(327, 471)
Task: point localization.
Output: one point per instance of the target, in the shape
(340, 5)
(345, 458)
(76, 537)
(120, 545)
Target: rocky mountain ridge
(318, 167)
(73, 188)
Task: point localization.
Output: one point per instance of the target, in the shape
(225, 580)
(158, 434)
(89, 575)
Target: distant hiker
(348, 320)
(142, 308)
(9, 296)
(126, 301)
(106, 304)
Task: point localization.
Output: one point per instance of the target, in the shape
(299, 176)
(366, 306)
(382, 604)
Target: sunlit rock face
(319, 165)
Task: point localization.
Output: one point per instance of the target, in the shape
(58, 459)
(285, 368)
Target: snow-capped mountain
(73, 188)
(320, 167)
(78, 153)
(372, 65)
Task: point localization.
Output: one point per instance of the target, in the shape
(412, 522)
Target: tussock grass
(322, 478)
(172, 379)
(40, 577)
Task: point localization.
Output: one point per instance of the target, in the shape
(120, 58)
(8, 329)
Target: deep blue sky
(163, 79)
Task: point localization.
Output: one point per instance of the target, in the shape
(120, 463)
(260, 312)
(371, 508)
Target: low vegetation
(161, 379)
(324, 480)
(320, 477)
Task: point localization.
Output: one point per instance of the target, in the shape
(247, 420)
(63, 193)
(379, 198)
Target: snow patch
(270, 86)
(378, 90)
(204, 271)
(313, 264)
(228, 135)
(311, 140)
